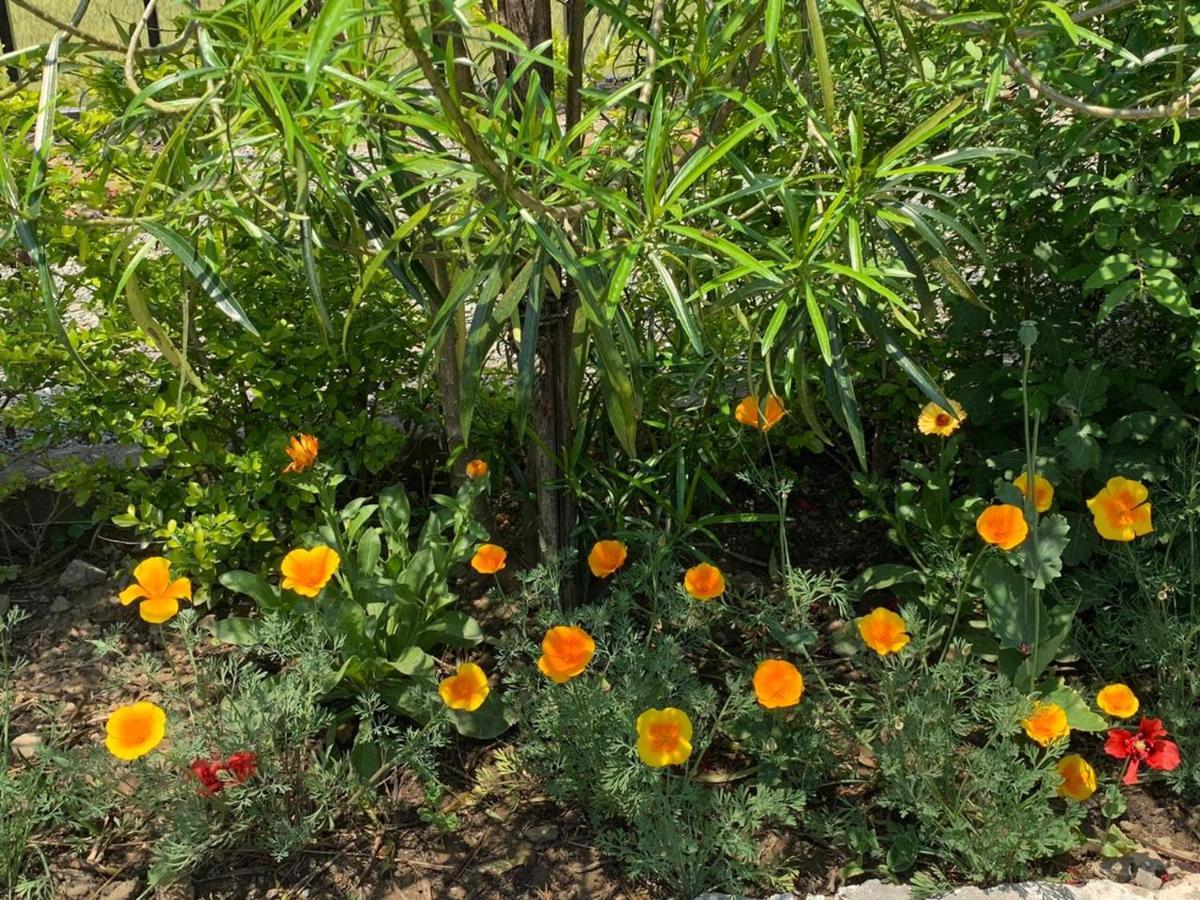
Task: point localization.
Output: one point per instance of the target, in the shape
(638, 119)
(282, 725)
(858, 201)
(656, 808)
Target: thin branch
(100, 43)
(171, 106)
(646, 93)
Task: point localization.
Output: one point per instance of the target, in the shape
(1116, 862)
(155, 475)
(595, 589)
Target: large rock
(80, 575)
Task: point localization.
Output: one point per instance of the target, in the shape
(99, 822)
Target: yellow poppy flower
(747, 412)
(778, 684)
(1003, 525)
(606, 557)
(160, 595)
(308, 571)
(704, 582)
(933, 419)
(466, 689)
(489, 559)
(1078, 778)
(1118, 700)
(1047, 724)
(664, 737)
(1121, 510)
(883, 631)
(566, 651)
(1043, 490)
(133, 731)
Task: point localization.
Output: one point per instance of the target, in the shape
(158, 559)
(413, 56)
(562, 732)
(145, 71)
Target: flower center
(1139, 745)
(664, 738)
(942, 420)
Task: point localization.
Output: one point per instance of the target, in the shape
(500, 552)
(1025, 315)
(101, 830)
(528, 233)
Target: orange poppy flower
(477, 468)
(1003, 525)
(302, 449)
(1120, 510)
(664, 737)
(133, 731)
(489, 559)
(1047, 724)
(778, 684)
(1078, 778)
(606, 557)
(466, 689)
(933, 419)
(308, 571)
(747, 412)
(566, 651)
(704, 582)
(1118, 700)
(160, 595)
(1043, 490)
(883, 631)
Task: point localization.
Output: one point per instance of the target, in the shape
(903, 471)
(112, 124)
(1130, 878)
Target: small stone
(1146, 879)
(80, 575)
(67, 711)
(60, 604)
(456, 892)
(26, 746)
(120, 890)
(541, 834)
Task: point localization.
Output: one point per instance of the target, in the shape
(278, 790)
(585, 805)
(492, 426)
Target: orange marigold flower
(747, 412)
(778, 684)
(1078, 778)
(302, 449)
(1118, 700)
(477, 468)
(883, 631)
(489, 559)
(308, 571)
(1043, 490)
(1120, 510)
(566, 651)
(160, 595)
(1003, 525)
(936, 420)
(1047, 724)
(606, 557)
(664, 737)
(133, 731)
(704, 582)
(466, 689)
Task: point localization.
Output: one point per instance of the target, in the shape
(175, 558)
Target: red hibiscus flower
(241, 765)
(1145, 746)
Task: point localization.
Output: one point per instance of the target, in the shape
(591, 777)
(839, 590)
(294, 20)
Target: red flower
(208, 771)
(1146, 746)
(215, 773)
(241, 765)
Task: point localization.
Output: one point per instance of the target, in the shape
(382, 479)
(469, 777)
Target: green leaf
(880, 577)
(266, 595)
(682, 311)
(329, 24)
(1053, 535)
(1081, 450)
(237, 630)
(209, 281)
(1079, 715)
(1012, 607)
(1112, 269)
(771, 27)
(491, 720)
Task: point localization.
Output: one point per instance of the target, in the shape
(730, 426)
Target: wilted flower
(303, 450)
(215, 774)
(606, 557)
(477, 468)
(747, 412)
(778, 684)
(1145, 746)
(133, 731)
(1078, 778)
(664, 737)
(704, 582)
(1047, 724)
(1003, 525)
(1117, 700)
(1043, 490)
(936, 420)
(883, 631)
(308, 571)
(489, 559)
(1120, 510)
(466, 689)
(566, 651)
(160, 595)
